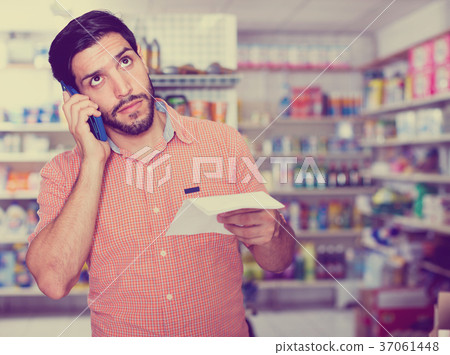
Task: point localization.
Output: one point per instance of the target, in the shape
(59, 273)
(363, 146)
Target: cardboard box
(442, 316)
(441, 50)
(441, 80)
(421, 56)
(422, 83)
(401, 311)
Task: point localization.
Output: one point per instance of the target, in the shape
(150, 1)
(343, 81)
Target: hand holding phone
(95, 123)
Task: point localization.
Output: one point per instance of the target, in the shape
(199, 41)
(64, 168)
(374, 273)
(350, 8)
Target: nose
(121, 85)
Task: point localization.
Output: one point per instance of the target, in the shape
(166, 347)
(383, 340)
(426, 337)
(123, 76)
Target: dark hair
(81, 33)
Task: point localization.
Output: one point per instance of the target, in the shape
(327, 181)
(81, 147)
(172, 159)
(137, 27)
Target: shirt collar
(173, 125)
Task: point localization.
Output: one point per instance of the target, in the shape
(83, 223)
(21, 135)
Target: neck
(148, 138)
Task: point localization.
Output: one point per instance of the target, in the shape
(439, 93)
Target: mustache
(126, 101)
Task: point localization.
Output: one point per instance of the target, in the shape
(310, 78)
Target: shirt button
(169, 297)
(156, 209)
(163, 253)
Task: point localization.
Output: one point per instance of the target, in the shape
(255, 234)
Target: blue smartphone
(95, 123)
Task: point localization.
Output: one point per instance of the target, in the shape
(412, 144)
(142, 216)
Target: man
(142, 283)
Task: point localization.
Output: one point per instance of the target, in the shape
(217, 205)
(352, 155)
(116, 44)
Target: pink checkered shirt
(142, 283)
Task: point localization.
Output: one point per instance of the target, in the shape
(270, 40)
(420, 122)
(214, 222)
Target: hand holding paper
(199, 215)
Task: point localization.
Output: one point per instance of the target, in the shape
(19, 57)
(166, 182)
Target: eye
(96, 80)
(125, 62)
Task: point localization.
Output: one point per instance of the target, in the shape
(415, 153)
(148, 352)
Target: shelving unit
(34, 291)
(327, 234)
(395, 142)
(413, 177)
(412, 222)
(434, 100)
(338, 191)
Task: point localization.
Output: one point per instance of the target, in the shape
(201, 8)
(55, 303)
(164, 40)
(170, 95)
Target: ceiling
(253, 15)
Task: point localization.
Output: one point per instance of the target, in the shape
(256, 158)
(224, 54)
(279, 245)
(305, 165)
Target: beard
(138, 126)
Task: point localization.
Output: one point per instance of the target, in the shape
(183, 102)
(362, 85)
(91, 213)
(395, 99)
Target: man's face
(113, 75)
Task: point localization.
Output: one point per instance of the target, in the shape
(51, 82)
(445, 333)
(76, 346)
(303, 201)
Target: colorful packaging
(421, 57)
(7, 264)
(441, 50)
(441, 80)
(422, 83)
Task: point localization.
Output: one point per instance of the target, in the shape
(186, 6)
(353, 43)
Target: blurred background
(363, 87)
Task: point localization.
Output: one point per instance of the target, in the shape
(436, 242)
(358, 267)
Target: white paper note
(199, 215)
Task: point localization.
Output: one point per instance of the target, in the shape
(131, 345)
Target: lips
(131, 107)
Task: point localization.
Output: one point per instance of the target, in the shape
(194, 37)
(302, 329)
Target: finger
(242, 210)
(242, 219)
(77, 107)
(246, 232)
(66, 96)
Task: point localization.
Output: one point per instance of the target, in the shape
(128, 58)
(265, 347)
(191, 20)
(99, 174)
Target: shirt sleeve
(52, 195)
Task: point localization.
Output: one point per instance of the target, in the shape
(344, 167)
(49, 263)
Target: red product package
(422, 83)
(441, 80)
(441, 50)
(421, 57)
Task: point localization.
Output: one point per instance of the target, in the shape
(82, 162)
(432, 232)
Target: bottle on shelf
(342, 176)
(332, 176)
(154, 57)
(322, 262)
(354, 175)
(285, 102)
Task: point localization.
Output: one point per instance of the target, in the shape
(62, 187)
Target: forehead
(98, 55)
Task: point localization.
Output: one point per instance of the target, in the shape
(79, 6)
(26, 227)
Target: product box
(429, 122)
(405, 125)
(441, 50)
(441, 80)
(7, 263)
(421, 57)
(401, 311)
(442, 316)
(422, 83)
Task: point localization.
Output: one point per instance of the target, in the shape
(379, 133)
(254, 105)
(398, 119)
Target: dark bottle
(354, 175)
(332, 176)
(342, 176)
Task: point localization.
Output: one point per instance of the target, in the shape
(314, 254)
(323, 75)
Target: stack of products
(312, 145)
(312, 263)
(13, 270)
(43, 114)
(313, 102)
(13, 181)
(327, 215)
(427, 74)
(274, 56)
(215, 111)
(418, 124)
(18, 222)
(429, 67)
(436, 209)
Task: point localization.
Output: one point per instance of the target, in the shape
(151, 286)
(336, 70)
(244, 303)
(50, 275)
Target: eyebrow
(116, 57)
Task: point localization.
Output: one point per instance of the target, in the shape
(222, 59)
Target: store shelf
(327, 234)
(412, 222)
(331, 69)
(413, 177)
(286, 284)
(33, 127)
(35, 292)
(393, 142)
(321, 156)
(292, 121)
(195, 81)
(338, 191)
(28, 157)
(19, 195)
(409, 105)
(435, 269)
(13, 239)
